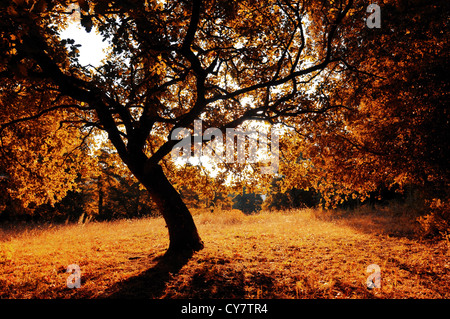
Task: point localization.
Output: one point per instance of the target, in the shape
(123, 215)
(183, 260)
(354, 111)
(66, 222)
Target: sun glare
(93, 50)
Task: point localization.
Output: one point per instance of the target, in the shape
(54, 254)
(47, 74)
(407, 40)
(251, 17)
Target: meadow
(306, 253)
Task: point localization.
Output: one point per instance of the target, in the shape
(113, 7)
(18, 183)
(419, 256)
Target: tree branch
(41, 113)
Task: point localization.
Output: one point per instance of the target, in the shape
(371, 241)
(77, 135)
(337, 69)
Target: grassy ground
(295, 254)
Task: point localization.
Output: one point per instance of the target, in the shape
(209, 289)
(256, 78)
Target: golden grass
(293, 254)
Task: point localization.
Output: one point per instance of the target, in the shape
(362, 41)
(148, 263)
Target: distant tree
(112, 192)
(279, 198)
(247, 202)
(190, 197)
(222, 201)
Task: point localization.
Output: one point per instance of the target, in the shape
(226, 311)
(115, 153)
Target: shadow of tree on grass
(208, 281)
(204, 279)
(150, 283)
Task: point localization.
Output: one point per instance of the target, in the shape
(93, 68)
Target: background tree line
(103, 193)
(109, 195)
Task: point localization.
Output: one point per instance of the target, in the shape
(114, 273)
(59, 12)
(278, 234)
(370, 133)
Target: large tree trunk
(183, 233)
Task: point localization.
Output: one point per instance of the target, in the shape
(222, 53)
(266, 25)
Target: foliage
(247, 202)
(392, 132)
(436, 224)
(108, 192)
(360, 109)
(40, 159)
(112, 192)
(289, 199)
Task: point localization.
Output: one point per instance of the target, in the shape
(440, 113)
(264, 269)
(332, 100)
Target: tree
(247, 202)
(110, 191)
(224, 62)
(393, 132)
(40, 159)
(291, 198)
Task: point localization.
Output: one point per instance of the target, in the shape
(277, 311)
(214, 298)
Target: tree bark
(100, 196)
(183, 235)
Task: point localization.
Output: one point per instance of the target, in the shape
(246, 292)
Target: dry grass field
(293, 254)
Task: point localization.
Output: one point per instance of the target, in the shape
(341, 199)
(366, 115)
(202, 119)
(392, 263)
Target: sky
(92, 49)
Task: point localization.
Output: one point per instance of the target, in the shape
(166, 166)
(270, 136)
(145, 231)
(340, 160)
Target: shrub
(436, 224)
